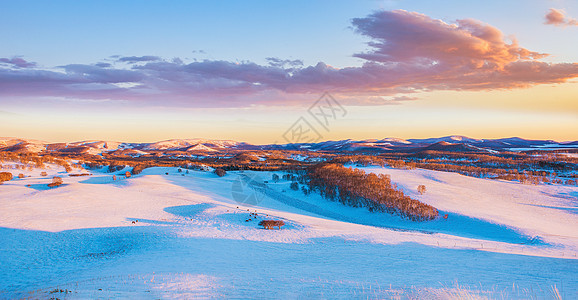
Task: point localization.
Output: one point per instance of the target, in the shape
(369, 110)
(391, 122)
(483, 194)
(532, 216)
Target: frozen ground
(192, 240)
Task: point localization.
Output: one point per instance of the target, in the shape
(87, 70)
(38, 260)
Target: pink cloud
(17, 62)
(408, 53)
(400, 36)
(558, 18)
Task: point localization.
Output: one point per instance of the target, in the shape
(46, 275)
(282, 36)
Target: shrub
(43, 174)
(275, 178)
(56, 181)
(421, 189)
(271, 224)
(21, 176)
(220, 172)
(294, 186)
(138, 169)
(5, 176)
(127, 174)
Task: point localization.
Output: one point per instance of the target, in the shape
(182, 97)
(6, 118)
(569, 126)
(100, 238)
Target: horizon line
(276, 143)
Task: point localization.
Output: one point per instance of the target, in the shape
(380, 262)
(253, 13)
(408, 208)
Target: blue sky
(62, 32)
(73, 37)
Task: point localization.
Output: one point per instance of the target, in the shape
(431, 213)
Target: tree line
(516, 167)
(354, 187)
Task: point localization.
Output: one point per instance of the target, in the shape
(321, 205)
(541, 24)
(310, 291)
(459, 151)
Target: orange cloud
(558, 18)
(401, 36)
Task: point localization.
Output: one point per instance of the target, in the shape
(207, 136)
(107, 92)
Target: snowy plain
(186, 235)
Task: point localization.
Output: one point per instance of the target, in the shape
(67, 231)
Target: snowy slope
(545, 212)
(396, 140)
(449, 139)
(192, 239)
(200, 147)
(21, 145)
(103, 145)
(183, 143)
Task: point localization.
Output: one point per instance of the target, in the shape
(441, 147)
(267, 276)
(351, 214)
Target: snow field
(192, 239)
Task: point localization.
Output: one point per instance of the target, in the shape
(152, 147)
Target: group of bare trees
(514, 167)
(353, 187)
(32, 160)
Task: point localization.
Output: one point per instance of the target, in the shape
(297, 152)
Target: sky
(286, 71)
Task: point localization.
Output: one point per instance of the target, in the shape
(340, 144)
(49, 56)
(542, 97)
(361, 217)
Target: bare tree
(421, 189)
(271, 224)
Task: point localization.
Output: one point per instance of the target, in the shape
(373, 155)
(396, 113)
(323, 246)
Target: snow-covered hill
(201, 147)
(447, 139)
(180, 144)
(448, 143)
(187, 235)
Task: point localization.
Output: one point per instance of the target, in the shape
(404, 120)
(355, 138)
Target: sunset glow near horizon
(148, 71)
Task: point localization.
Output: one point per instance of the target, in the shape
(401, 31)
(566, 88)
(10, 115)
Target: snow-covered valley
(186, 235)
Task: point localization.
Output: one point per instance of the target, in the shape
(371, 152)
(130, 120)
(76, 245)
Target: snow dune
(185, 235)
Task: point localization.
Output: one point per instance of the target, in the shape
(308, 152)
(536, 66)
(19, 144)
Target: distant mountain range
(204, 146)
